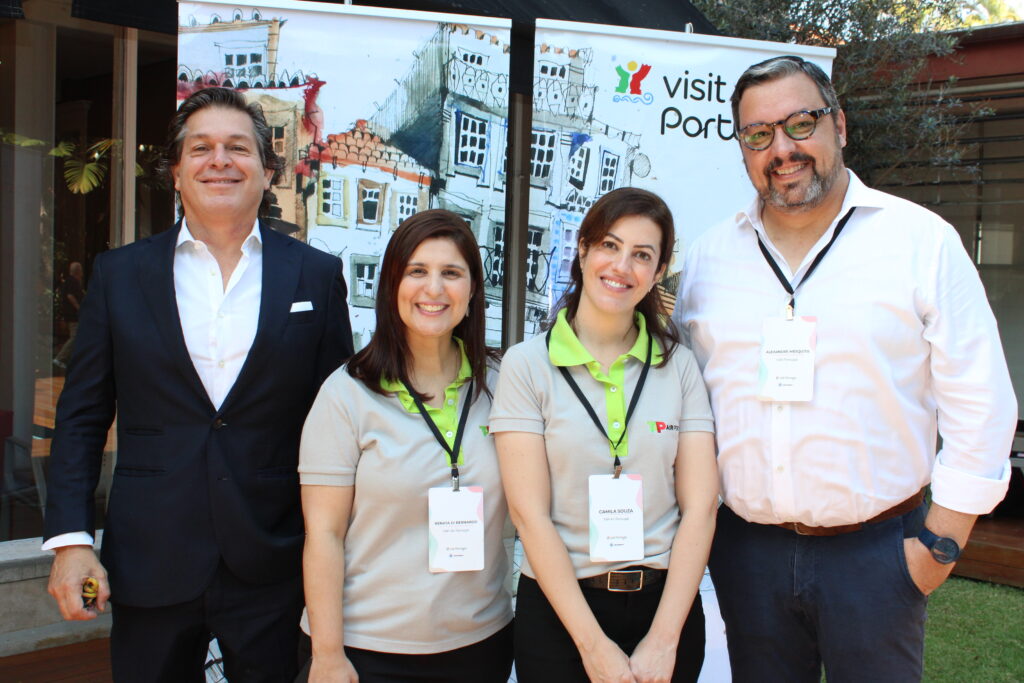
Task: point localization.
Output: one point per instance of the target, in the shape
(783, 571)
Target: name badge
(456, 529)
(616, 518)
(786, 371)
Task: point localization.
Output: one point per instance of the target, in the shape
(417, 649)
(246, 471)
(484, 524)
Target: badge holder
(455, 516)
(616, 506)
(786, 369)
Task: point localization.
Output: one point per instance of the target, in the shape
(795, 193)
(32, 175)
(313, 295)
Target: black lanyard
(590, 409)
(453, 450)
(814, 264)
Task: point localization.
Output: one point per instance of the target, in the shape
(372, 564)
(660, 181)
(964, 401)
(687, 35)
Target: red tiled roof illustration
(361, 146)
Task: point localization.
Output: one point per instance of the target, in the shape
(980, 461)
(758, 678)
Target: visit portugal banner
(615, 107)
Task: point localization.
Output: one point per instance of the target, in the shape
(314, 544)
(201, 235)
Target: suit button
(219, 423)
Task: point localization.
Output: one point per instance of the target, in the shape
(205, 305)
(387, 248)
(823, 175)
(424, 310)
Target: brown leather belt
(895, 511)
(627, 580)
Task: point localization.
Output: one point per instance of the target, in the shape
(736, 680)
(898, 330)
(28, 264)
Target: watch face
(945, 550)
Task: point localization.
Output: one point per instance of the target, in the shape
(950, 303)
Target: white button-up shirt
(218, 322)
(906, 346)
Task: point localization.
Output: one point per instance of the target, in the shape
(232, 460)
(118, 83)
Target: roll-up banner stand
(617, 107)
(379, 113)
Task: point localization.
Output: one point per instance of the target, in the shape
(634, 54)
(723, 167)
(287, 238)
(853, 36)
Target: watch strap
(943, 550)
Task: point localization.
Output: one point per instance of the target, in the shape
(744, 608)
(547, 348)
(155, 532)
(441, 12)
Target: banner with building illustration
(616, 107)
(378, 113)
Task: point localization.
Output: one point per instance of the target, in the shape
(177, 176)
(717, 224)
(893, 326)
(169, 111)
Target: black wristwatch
(944, 550)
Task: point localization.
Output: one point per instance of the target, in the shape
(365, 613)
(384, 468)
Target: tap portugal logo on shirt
(659, 427)
(630, 79)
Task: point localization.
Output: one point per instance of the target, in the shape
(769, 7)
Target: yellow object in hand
(90, 589)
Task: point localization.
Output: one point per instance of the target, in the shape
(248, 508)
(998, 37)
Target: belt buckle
(640, 586)
(799, 527)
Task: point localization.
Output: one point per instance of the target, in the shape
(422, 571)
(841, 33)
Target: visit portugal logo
(629, 87)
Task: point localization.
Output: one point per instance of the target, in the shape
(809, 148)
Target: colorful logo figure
(630, 79)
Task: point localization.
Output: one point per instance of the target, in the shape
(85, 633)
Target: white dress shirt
(218, 322)
(906, 346)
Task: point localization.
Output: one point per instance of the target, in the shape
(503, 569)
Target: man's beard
(815, 192)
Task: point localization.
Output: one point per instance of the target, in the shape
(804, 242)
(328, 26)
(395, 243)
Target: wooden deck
(995, 552)
(87, 662)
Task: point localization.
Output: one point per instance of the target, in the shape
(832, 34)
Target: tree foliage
(895, 122)
(987, 12)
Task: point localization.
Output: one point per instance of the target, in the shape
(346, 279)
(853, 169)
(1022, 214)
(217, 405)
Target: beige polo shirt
(532, 396)
(392, 603)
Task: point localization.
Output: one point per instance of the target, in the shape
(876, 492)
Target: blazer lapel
(281, 268)
(156, 280)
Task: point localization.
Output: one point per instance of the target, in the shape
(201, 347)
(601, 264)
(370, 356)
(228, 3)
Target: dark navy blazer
(192, 484)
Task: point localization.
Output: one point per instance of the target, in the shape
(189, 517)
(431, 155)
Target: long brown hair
(606, 211)
(387, 354)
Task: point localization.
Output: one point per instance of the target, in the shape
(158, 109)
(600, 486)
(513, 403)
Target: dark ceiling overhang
(671, 15)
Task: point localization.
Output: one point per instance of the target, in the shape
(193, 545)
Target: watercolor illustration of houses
(450, 113)
(574, 160)
(438, 140)
(458, 125)
(364, 189)
(241, 51)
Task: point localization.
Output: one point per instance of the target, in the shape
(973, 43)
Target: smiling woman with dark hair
(606, 444)
(406, 572)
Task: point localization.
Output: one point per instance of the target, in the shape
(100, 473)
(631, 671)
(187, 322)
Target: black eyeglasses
(798, 126)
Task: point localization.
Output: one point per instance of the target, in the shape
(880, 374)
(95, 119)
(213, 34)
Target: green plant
(85, 167)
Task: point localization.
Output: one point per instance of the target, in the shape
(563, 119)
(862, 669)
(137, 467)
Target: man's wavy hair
(228, 99)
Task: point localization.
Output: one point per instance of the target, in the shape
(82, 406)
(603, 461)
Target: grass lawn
(975, 633)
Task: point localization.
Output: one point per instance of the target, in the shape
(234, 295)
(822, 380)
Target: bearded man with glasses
(839, 331)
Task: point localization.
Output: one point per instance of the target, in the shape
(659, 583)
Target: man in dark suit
(209, 342)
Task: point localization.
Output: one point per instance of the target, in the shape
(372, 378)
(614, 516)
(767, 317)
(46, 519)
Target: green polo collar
(447, 416)
(567, 350)
(398, 388)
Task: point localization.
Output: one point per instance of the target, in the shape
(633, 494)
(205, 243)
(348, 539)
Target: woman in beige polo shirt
(605, 439)
(405, 571)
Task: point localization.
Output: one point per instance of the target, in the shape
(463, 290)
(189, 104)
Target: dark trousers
(545, 652)
(791, 603)
(257, 628)
(488, 661)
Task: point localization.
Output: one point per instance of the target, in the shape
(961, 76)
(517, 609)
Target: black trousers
(488, 661)
(257, 628)
(545, 652)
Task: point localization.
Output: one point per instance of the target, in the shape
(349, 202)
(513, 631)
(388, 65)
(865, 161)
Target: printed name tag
(786, 371)
(616, 518)
(456, 529)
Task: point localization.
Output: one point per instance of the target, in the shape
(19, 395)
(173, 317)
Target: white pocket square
(300, 306)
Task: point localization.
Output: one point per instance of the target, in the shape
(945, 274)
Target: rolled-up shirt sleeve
(517, 403)
(329, 451)
(696, 415)
(977, 408)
